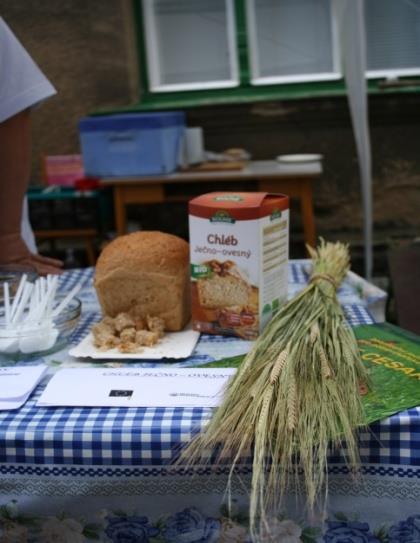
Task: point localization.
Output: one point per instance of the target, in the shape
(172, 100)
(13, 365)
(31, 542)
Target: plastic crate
(63, 209)
(131, 144)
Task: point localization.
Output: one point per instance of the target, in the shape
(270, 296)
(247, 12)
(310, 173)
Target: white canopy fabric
(353, 46)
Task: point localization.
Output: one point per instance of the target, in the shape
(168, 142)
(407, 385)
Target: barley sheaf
(295, 393)
(278, 366)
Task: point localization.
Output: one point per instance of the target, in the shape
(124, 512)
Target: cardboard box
(239, 245)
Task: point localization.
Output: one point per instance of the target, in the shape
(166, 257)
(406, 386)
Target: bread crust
(149, 251)
(146, 273)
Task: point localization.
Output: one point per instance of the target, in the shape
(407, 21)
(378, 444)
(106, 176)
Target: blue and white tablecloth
(78, 473)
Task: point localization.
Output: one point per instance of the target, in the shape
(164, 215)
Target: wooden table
(295, 180)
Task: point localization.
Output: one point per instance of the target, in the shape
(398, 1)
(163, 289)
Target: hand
(41, 264)
(45, 265)
(13, 250)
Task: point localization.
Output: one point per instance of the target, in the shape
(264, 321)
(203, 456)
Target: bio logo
(201, 271)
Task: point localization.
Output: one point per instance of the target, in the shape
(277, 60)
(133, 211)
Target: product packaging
(239, 244)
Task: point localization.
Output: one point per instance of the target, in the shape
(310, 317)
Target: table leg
(90, 251)
(119, 210)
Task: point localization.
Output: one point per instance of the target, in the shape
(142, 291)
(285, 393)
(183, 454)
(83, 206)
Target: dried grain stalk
(294, 396)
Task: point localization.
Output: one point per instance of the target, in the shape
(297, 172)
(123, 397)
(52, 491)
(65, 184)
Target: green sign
(222, 216)
(393, 358)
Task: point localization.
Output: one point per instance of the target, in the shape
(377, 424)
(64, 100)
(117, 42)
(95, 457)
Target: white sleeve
(22, 84)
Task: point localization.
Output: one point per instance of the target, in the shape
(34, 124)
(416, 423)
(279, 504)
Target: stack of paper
(17, 383)
(136, 387)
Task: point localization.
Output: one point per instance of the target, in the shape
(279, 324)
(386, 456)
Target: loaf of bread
(146, 274)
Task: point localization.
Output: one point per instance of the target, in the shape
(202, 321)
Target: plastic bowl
(35, 342)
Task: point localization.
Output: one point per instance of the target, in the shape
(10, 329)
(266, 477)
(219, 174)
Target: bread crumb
(156, 324)
(109, 321)
(101, 333)
(128, 335)
(123, 320)
(109, 343)
(146, 338)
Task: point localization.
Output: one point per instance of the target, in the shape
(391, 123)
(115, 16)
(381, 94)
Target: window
(194, 52)
(393, 37)
(190, 44)
(292, 41)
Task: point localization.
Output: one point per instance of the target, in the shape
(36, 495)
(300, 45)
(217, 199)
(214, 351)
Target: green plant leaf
(232, 362)
(93, 527)
(4, 513)
(119, 513)
(160, 523)
(28, 521)
(341, 516)
(91, 535)
(313, 532)
(382, 534)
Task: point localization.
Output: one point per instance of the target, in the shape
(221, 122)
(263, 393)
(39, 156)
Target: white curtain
(353, 47)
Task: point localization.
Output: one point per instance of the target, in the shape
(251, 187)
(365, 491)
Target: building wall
(83, 48)
(87, 50)
(324, 126)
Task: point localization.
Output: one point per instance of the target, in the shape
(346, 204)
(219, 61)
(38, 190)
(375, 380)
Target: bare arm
(15, 161)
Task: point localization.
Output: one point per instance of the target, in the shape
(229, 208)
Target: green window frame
(245, 92)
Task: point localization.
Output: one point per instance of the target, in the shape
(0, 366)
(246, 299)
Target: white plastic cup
(194, 145)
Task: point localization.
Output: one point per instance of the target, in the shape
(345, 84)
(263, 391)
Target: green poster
(393, 358)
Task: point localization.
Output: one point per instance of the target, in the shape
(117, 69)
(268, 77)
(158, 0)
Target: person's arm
(15, 163)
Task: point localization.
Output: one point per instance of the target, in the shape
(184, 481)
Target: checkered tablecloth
(138, 436)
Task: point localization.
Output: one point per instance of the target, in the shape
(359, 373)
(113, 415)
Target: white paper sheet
(17, 383)
(9, 405)
(136, 387)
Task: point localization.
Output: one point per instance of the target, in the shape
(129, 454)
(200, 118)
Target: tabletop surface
(152, 436)
(254, 169)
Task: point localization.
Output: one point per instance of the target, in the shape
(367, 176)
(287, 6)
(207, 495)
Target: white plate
(172, 345)
(295, 159)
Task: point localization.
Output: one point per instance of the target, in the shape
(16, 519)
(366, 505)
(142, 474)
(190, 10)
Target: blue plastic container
(131, 144)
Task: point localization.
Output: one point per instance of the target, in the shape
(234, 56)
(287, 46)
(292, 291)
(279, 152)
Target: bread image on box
(146, 274)
(239, 246)
(224, 287)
